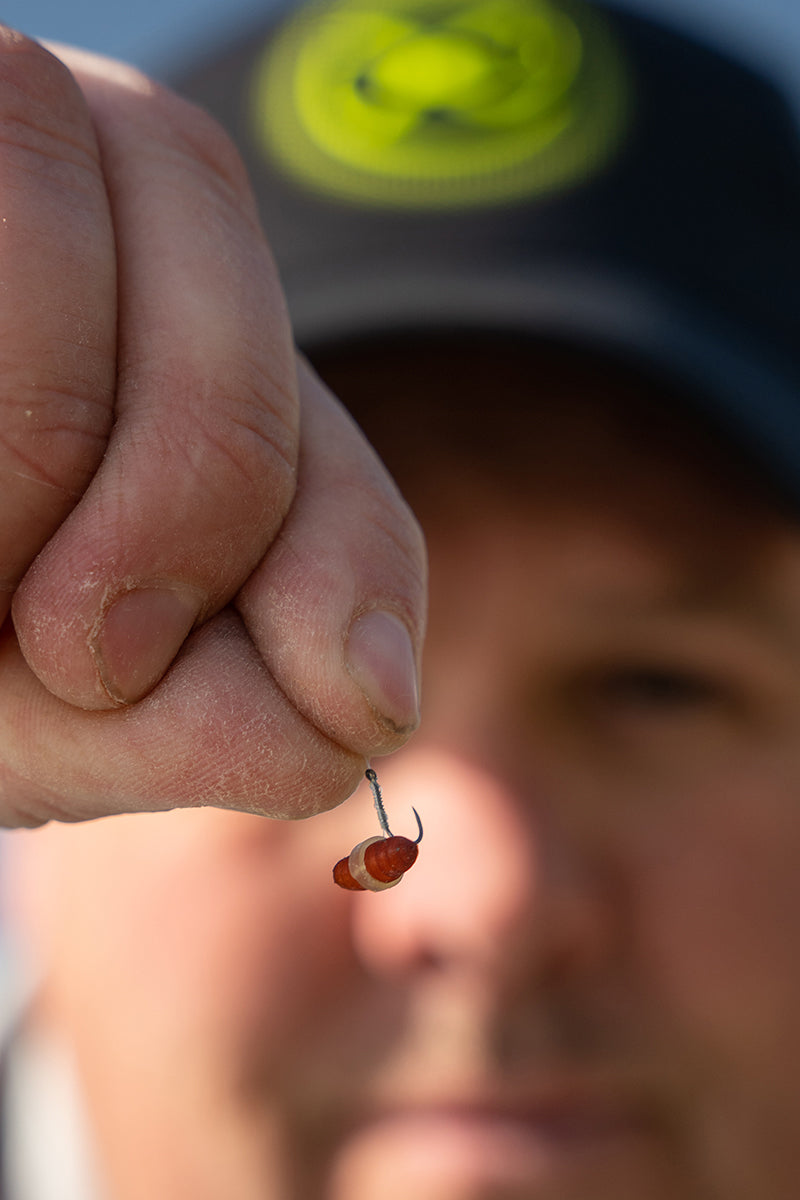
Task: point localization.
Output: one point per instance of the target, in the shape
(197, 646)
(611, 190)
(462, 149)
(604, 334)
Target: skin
(587, 986)
(163, 504)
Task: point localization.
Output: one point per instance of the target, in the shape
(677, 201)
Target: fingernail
(138, 637)
(380, 658)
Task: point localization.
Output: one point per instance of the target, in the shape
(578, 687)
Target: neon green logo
(423, 104)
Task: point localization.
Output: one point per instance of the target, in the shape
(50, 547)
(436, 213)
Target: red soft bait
(378, 862)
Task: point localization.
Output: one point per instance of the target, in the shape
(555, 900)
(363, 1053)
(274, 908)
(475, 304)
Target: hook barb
(383, 820)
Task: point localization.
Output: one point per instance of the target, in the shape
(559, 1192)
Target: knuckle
(179, 135)
(202, 143)
(240, 434)
(55, 438)
(44, 123)
(247, 456)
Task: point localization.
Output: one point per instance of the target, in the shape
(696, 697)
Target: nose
(495, 887)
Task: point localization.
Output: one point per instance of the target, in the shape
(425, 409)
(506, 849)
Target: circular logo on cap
(419, 103)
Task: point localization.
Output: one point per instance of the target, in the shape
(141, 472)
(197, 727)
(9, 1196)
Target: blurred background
(162, 36)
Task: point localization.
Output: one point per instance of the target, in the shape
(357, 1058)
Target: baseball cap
(549, 168)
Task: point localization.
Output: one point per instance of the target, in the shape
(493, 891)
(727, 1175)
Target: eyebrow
(704, 619)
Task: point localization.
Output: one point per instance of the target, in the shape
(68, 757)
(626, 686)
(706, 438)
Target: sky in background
(160, 35)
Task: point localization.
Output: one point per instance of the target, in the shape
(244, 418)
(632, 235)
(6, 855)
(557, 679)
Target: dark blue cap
(674, 242)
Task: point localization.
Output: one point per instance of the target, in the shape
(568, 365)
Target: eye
(660, 685)
(657, 687)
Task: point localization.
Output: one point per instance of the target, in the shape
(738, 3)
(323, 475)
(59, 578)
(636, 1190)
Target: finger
(216, 731)
(337, 608)
(57, 303)
(200, 467)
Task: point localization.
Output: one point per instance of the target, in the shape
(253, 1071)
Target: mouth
(566, 1147)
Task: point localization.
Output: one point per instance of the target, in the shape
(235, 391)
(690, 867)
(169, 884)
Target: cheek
(718, 909)
(718, 903)
(205, 928)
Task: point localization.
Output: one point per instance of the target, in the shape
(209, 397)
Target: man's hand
(217, 592)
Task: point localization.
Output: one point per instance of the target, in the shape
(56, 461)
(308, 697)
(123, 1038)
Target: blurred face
(588, 986)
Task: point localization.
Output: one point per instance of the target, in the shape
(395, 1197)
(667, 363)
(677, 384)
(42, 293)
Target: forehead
(563, 437)
(573, 564)
(546, 418)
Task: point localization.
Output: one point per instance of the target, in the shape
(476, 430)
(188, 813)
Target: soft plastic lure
(378, 862)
